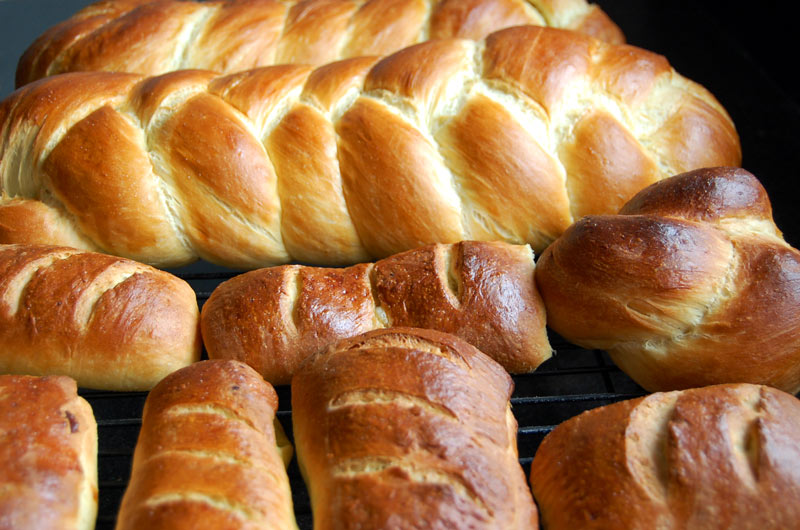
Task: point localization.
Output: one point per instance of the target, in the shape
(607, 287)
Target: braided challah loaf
(692, 284)
(508, 139)
(153, 37)
(107, 322)
(713, 458)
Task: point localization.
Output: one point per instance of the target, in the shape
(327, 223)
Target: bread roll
(718, 457)
(508, 139)
(153, 37)
(273, 319)
(408, 428)
(48, 455)
(207, 455)
(109, 323)
(691, 285)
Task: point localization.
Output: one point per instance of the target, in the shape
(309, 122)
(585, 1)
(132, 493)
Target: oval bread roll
(109, 323)
(48, 455)
(409, 428)
(710, 458)
(207, 455)
(483, 292)
(156, 36)
(508, 139)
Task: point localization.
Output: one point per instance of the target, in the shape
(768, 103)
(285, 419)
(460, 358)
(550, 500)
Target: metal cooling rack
(572, 381)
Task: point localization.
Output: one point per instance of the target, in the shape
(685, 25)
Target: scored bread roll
(48, 455)
(409, 428)
(109, 323)
(691, 284)
(506, 139)
(717, 457)
(483, 292)
(207, 454)
(154, 37)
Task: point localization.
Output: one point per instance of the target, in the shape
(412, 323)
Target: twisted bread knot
(508, 139)
(692, 284)
(153, 37)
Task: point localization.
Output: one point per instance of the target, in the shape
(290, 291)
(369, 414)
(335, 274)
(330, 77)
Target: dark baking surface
(737, 54)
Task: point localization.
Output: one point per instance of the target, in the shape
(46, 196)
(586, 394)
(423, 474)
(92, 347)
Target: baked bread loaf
(48, 455)
(156, 36)
(717, 457)
(405, 428)
(109, 323)
(207, 457)
(690, 285)
(508, 139)
(483, 292)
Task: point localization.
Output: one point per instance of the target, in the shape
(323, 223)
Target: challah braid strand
(154, 37)
(443, 141)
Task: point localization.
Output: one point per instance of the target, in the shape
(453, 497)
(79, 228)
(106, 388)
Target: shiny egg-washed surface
(507, 139)
(156, 36)
(575, 380)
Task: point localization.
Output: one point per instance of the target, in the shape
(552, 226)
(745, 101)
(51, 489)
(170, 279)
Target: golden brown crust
(107, 322)
(408, 428)
(158, 36)
(483, 292)
(609, 167)
(48, 455)
(716, 457)
(207, 455)
(508, 139)
(32, 222)
(690, 285)
(598, 24)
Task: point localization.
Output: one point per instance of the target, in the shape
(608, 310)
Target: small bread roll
(718, 457)
(207, 455)
(109, 323)
(48, 455)
(483, 292)
(409, 428)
